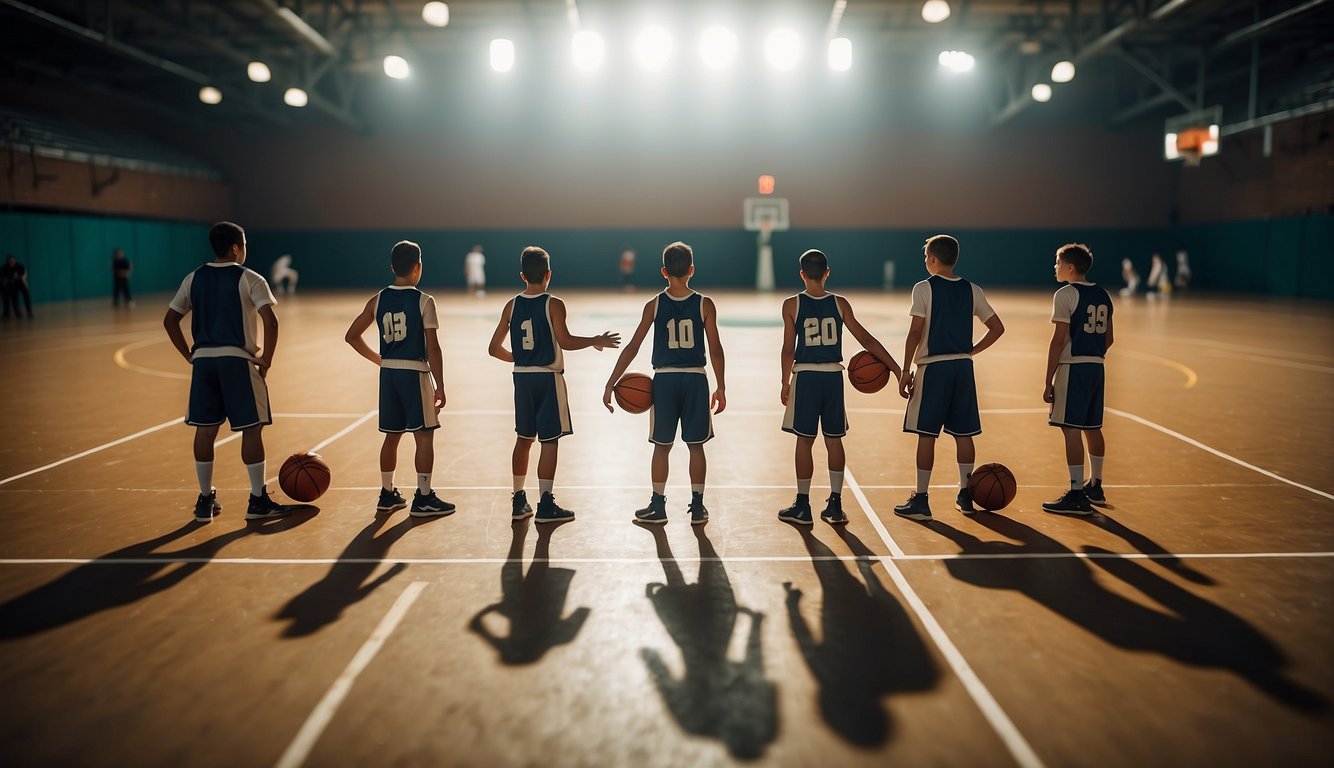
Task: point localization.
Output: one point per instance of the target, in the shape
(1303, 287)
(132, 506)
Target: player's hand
(607, 339)
(1049, 393)
(784, 392)
(439, 399)
(719, 399)
(906, 384)
(263, 366)
(606, 399)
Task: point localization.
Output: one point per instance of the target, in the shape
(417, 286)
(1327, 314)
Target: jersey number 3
(681, 335)
(1097, 319)
(821, 333)
(395, 326)
(528, 342)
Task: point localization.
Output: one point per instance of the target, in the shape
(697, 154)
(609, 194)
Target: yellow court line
(119, 358)
(1192, 378)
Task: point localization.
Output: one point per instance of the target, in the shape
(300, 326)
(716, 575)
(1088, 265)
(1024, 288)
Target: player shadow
(533, 603)
(715, 697)
(867, 648)
(1185, 628)
(107, 583)
(1148, 546)
(348, 581)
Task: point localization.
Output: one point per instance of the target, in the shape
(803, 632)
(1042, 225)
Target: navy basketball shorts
(815, 401)
(407, 401)
(227, 389)
(680, 398)
(1078, 396)
(541, 407)
(944, 396)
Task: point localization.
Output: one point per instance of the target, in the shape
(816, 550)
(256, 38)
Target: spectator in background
(1182, 281)
(1159, 285)
(14, 283)
(120, 278)
(474, 267)
(1131, 276)
(284, 277)
(628, 270)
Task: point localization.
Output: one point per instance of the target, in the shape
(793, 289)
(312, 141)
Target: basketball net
(1191, 157)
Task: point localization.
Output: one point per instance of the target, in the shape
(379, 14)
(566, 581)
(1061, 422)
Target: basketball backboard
(757, 212)
(1192, 136)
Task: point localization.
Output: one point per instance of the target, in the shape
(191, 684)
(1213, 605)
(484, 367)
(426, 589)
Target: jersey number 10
(686, 330)
(821, 332)
(395, 326)
(1097, 319)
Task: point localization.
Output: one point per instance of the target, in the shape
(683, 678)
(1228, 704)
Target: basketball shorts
(680, 398)
(944, 396)
(1078, 401)
(407, 401)
(227, 389)
(541, 407)
(815, 402)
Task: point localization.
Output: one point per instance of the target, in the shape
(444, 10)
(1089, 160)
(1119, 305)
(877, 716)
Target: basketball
(866, 373)
(304, 476)
(634, 392)
(992, 486)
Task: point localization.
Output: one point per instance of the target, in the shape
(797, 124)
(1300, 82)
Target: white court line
(1014, 741)
(1274, 361)
(364, 418)
(91, 451)
(313, 728)
(1216, 452)
(866, 506)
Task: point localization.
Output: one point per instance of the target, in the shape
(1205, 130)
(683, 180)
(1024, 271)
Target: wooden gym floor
(1192, 625)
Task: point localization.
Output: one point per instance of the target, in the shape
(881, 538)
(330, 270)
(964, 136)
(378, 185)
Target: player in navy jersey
(1082, 332)
(942, 392)
(409, 359)
(812, 382)
(681, 321)
(534, 321)
(227, 365)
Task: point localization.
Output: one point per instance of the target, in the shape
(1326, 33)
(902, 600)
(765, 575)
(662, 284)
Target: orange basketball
(634, 392)
(866, 373)
(304, 476)
(992, 486)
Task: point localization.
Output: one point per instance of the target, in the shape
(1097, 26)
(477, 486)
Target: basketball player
(1082, 333)
(227, 367)
(474, 267)
(942, 392)
(409, 361)
(535, 323)
(284, 277)
(681, 320)
(812, 382)
(120, 278)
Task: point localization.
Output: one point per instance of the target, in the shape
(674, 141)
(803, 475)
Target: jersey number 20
(395, 326)
(821, 333)
(1097, 319)
(681, 335)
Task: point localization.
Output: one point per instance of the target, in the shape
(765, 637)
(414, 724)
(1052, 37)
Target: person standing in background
(1158, 285)
(1182, 280)
(13, 283)
(284, 277)
(628, 270)
(120, 278)
(474, 267)
(1131, 276)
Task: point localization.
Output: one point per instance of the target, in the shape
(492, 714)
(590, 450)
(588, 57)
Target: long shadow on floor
(716, 697)
(1190, 629)
(534, 603)
(107, 582)
(868, 647)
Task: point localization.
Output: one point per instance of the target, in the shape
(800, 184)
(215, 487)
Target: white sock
(804, 487)
(545, 486)
(518, 482)
(835, 481)
(1096, 463)
(256, 473)
(697, 488)
(387, 480)
(660, 488)
(923, 480)
(204, 470)
(423, 483)
(1076, 476)
(964, 471)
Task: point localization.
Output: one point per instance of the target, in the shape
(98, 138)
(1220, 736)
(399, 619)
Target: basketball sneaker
(699, 515)
(964, 502)
(1074, 502)
(799, 512)
(390, 501)
(656, 511)
(833, 511)
(207, 506)
(550, 512)
(520, 509)
(262, 507)
(429, 505)
(1093, 490)
(915, 508)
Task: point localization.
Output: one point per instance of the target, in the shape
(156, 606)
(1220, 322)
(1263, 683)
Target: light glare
(840, 54)
(210, 95)
(396, 67)
(935, 11)
(258, 71)
(1063, 72)
(717, 47)
(1042, 92)
(435, 14)
(956, 61)
(653, 48)
(295, 97)
(782, 48)
(588, 50)
(502, 54)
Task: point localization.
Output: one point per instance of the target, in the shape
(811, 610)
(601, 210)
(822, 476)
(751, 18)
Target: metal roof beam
(1264, 25)
(299, 25)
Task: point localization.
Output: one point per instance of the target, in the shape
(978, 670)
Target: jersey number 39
(1097, 319)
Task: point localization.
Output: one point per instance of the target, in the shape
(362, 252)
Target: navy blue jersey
(948, 307)
(224, 299)
(678, 332)
(819, 329)
(531, 339)
(404, 313)
(1088, 309)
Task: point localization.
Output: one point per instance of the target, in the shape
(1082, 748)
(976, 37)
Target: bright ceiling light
(1063, 72)
(295, 97)
(258, 71)
(956, 61)
(840, 54)
(653, 48)
(782, 48)
(502, 54)
(210, 95)
(1042, 92)
(435, 14)
(935, 11)
(717, 47)
(396, 67)
(588, 50)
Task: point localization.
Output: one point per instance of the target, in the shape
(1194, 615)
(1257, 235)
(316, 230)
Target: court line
(316, 449)
(91, 451)
(1191, 377)
(118, 357)
(1273, 361)
(1005, 728)
(866, 506)
(319, 718)
(1216, 452)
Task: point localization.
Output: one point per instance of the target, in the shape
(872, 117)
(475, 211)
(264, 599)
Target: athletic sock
(660, 489)
(387, 480)
(1076, 476)
(545, 486)
(423, 483)
(518, 482)
(204, 470)
(1095, 463)
(964, 471)
(803, 487)
(923, 480)
(256, 473)
(835, 481)
(697, 488)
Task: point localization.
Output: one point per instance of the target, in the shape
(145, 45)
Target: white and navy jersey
(531, 341)
(948, 305)
(1087, 308)
(678, 331)
(403, 314)
(225, 298)
(819, 325)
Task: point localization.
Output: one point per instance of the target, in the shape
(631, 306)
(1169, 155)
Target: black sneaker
(1093, 490)
(1074, 502)
(799, 512)
(207, 506)
(429, 505)
(699, 515)
(549, 512)
(390, 501)
(656, 511)
(520, 509)
(833, 511)
(964, 502)
(262, 507)
(915, 508)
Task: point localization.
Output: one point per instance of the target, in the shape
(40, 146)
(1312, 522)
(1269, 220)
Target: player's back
(224, 298)
(678, 331)
(948, 306)
(819, 326)
(1089, 309)
(531, 340)
(404, 312)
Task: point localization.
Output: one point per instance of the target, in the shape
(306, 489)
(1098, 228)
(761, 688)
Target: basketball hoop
(1193, 136)
(1190, 145)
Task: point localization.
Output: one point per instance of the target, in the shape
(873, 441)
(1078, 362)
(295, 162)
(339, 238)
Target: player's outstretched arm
(570, 342)
(869, 343)
(719, 400)
(910, 345)
(994, 330)
(172, 323)
(497, 347)
(1060, 332)
(789, 351)
(436, 361)
(268, 319)
(629, 351)
(356, 331)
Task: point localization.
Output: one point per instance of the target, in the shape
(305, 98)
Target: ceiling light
(1063, 72)
(782, 48)
(502, 55)
(396, 67)
(717, 47)
(210, 95)
(935, 11)
(653, 48)
(258, 71)
(840, 54)
(956, 61)
(588, 50)
(295, 97)
(1042, 92)
(435, 14)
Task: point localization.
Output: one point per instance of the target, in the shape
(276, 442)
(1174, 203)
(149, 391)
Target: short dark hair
(535, 263)
(404, 256)
(1076, 255)
(223, 236)
(677, 259)
(814, 264)
(944, 248)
